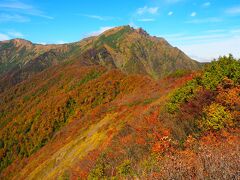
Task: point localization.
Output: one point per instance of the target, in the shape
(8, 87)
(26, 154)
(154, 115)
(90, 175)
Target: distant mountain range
(133, 51)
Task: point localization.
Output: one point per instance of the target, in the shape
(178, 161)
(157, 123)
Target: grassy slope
(73, 151)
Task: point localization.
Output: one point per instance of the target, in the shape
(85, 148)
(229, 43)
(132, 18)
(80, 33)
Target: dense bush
(213, 75)
(216, 71)
(182, 95)
(125, 169)
(97, 173)
(216, 117)
(208, 102)
(179, 73)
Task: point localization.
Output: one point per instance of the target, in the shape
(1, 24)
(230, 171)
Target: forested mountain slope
(90, 122)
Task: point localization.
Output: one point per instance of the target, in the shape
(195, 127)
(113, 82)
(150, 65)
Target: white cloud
(215, 31)
(170, 13)
(193, 14)
(206, 4)
(15, 34)
(172, 1)
(206, 20)
(4, 37)
(172, 36)
(16, 6)
(205, 37)
(13, 18)
(132, 24)
(146, 20)
(101, 18)
(210, 50)
(235, 31)
(95, 17)
(233, 11)
(10, 35)
(209, 44)
(42, 43)
(149, 10)
(100, 31)
(61, 42)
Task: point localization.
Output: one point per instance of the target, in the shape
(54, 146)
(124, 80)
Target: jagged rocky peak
(129, 29)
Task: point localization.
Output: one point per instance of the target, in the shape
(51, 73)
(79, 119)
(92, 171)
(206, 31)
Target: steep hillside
(72, 122)
(135, 51)
(130, 50)
(33, 112)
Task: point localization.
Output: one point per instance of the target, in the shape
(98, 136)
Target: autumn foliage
(94, 123)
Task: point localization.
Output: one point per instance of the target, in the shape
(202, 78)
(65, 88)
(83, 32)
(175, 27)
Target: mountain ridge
(133, 51)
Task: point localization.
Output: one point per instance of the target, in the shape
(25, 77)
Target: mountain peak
(117, 29)
(126, 28)
(19, 41)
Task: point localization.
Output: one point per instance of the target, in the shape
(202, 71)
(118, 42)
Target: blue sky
(203, 29)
